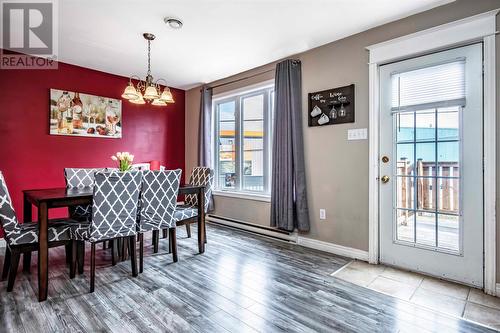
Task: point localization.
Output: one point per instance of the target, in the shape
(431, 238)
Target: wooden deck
(243, 283)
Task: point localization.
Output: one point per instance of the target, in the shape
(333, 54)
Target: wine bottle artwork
(77, 109)
(62, 106)
(79, 114)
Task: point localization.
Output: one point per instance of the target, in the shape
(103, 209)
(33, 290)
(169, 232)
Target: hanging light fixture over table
(148, 90)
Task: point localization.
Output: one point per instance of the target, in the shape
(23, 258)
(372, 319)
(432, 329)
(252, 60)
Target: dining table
(45, 199)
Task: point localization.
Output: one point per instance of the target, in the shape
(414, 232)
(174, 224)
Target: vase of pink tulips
(124, 160)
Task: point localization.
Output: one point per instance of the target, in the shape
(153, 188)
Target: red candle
(154, 165)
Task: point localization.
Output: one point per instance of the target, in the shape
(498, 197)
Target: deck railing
(433, 182)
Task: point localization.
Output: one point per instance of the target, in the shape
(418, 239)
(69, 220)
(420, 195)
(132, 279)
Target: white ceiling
(219, 38)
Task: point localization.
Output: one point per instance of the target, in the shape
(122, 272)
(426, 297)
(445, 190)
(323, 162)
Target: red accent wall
(30, 158)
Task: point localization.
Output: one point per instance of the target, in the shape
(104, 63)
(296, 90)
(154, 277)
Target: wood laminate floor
(243, 283)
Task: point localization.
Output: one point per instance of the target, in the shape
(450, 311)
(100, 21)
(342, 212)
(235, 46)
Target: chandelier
(148, 90)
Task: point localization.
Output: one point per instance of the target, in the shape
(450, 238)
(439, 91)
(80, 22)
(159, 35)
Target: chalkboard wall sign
(332, 106)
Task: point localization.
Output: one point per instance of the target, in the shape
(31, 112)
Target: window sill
(243, 195)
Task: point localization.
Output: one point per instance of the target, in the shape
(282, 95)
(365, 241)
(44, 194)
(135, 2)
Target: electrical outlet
(322, 214)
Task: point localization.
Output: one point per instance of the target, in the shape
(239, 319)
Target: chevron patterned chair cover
(23, 237)
(114, 214)
(157, 205)
(80, 178)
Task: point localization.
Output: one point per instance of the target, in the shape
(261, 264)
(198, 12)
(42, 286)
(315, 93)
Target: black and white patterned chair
(23, 238)
(157, 207)
(80, 178)
(188, 212)
(114, 214)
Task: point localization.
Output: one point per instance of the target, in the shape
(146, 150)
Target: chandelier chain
(149, 57)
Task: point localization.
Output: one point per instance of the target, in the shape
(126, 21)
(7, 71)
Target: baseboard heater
(254, 228)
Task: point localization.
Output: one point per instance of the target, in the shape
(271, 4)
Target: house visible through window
(243, 134)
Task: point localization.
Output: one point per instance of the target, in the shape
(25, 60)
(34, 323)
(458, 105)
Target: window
(243, 134)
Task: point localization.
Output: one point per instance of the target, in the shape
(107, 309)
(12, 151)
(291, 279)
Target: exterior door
(431, 178)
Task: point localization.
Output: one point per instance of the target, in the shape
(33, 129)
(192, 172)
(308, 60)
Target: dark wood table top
(62, 193)
(48, 194)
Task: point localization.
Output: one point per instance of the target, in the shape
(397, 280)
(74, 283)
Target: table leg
(43, 252)
(27, 213)
(201, 220)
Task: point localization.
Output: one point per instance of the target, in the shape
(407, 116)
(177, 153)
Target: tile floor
(446, 297)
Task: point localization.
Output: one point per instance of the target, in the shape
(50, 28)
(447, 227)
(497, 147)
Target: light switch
(357, 134)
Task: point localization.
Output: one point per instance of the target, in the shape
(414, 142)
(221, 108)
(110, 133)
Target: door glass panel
(227, 153)
(405, 193)
(425, 125)
(405, 123)
(448, 160)
(426, 228)
(405, 225)
(426, 193)
(449, 193)
(428, 178)
(448, 232)
(405, 157)
(426, 158)
(448, 123)
(253, 143)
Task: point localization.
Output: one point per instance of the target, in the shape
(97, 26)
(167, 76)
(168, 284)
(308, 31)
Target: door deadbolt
(385, 159)
(385, 179)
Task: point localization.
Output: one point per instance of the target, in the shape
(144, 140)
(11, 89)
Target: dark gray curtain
(205, 128)
(205, 133)
(288, 190)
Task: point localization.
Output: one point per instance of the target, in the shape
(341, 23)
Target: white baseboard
(291, 237)
(333, 248)
(294, 238)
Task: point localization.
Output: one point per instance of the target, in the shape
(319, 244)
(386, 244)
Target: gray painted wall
(337, 169)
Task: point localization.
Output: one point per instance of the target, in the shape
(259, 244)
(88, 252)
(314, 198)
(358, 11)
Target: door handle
(385, 179)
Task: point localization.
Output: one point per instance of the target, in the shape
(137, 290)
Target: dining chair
(157, 207)
(187, 213)
(23, 237)
(114, 214)
(80, 178)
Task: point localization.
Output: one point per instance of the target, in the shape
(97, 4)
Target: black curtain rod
(238, 80)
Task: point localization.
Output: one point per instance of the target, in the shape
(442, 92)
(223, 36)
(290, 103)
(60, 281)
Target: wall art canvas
(77, 114)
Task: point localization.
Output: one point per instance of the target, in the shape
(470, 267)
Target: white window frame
(477, 28)
(238, 95)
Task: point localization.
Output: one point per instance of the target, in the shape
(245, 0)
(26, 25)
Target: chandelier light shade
(166, 96)
(151, 93)
(148, 90)
(138, 100)
(158, 102)
(130, 92)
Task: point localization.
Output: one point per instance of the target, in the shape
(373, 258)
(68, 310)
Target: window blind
(431, 87)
